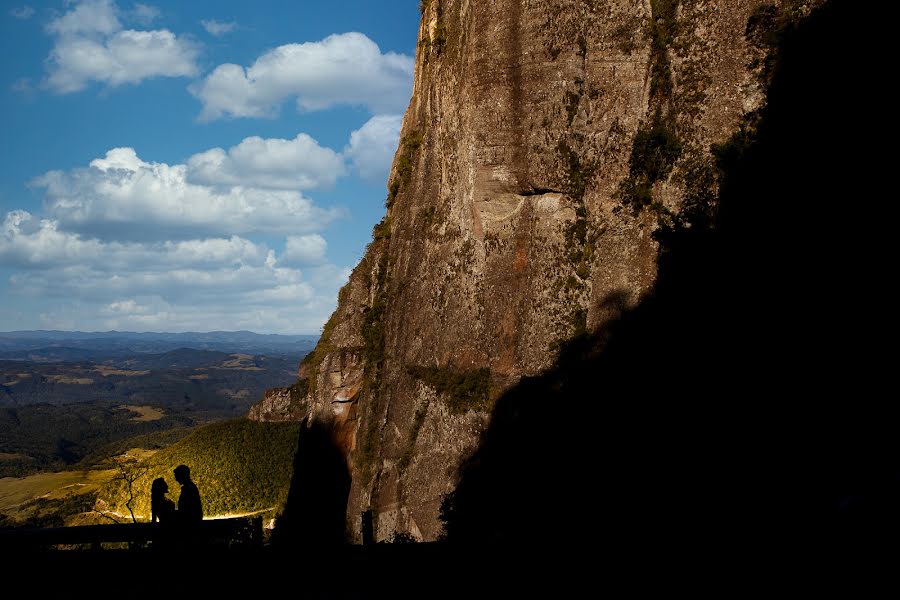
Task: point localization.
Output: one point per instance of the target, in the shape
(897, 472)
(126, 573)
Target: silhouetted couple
(190, 510)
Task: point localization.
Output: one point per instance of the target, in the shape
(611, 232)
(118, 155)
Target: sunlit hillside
(239, 466)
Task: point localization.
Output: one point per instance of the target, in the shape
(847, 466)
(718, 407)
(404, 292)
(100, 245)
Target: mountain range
(52, 346)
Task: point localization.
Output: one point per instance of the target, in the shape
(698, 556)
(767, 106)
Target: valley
(70, 407)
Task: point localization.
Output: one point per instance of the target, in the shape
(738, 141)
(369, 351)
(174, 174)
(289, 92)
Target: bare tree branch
(106, 515)
(130, 470)
(101, 508)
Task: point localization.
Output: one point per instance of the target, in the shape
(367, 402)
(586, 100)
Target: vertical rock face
(545, 143)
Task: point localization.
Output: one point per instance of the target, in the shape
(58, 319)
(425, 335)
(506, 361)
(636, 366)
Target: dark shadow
(162, 509)
(743, 400)
(315, 514)
(190, 506)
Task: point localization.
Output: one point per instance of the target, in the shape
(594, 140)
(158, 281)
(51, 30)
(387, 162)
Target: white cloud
(301, 250)
(24, 12)
(91, 45)
(88, 17)
(183, 285)
(29, 242)
(120, 196)
(126, 57)
(282, 294)
(372, 147)
(344, 68)
(297, 314)
(219, 283)
(260, 299)
(125, 307)
(218, 28)
(300, 163)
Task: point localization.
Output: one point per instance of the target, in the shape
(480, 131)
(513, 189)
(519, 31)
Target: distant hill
(52, 346)
(56, 414)
(185, 377)
(239, 466)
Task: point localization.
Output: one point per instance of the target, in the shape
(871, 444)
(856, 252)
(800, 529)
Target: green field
(38, 499)
(144, 413)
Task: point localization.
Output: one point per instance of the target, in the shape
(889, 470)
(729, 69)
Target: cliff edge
(544, 146)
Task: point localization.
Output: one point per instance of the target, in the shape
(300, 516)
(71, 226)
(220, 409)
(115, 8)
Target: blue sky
(175, 166)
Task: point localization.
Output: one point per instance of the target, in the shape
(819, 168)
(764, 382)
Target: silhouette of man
(190, 511)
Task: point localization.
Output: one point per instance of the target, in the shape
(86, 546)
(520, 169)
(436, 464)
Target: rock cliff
(544, 145)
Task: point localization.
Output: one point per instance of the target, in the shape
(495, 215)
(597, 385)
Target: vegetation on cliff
(722, 408)
(460, 390)
(403, 166)
(373, 350)
(656, 146)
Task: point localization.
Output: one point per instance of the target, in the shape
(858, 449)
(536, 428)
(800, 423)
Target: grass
(13, 456)
(144, 413)
(107, 371)
(19, 495)
(65, 379)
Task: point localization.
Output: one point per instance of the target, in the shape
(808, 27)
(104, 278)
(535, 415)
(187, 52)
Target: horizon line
(159, 332)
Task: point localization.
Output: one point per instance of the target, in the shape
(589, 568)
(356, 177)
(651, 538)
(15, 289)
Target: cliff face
(544, 144)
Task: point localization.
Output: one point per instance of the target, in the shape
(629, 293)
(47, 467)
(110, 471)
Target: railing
(236, 532)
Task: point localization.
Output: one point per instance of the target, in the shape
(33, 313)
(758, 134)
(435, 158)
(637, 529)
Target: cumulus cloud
(262, 299)
(29, 242)
(125, 307)
(297, 314)
(125, 243)
(214, 283)
(347, 69)
(181, 285)
(302, 250)
(274, 307)
(300, 163)
(218, 28)
(121, 196)
(91, 45)
(372, 147)
(130, 244)
(23, 12)
(88, 17)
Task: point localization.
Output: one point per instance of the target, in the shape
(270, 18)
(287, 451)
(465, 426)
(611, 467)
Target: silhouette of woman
(161, 507)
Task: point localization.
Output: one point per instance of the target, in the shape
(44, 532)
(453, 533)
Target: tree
(131, 468)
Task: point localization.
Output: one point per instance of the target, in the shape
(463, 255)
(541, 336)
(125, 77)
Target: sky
(193, 166)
